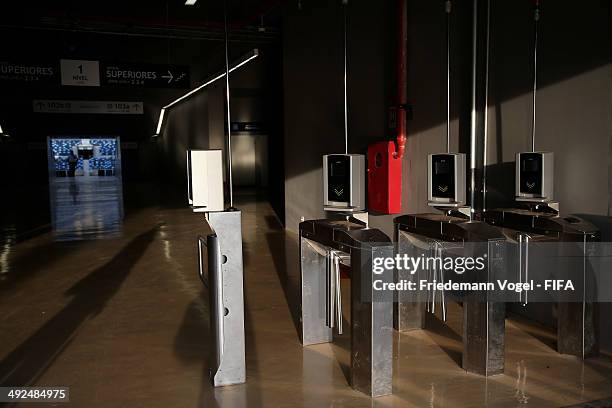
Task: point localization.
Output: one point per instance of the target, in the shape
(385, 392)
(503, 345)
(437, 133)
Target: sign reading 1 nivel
(80, 72)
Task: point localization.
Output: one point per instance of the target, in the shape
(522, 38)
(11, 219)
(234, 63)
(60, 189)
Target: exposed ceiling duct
(154, 18)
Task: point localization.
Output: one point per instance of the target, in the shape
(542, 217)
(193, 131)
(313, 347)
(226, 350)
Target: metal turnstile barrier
(577, 320)
(224, 281)
(483, 333)
(324, 245)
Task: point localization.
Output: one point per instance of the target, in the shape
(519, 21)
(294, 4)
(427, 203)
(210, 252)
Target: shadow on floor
(192, 341)
(451, 344)
(193, 344)
(545, 335)
(25, 364)
(20, 268)
(285, 250)
(342, 342)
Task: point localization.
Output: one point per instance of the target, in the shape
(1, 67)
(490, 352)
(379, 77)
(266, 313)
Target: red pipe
(402, 45)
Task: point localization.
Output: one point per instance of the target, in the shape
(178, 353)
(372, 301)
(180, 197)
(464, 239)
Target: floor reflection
(86, 207)
(7, 240)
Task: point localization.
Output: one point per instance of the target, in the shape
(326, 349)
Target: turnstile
(577, 320)
(483, 319)
(323, 245)
(225, 284)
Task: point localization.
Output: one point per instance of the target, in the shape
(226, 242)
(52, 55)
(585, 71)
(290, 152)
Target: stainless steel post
(474, 118)
(225, 282)
(484, 322)
(536, 19)
(486, 109)
(409, 310)
(448, 8)
(344, 6)
(314, 264)
(371, 317)
(229, 116)
(371, 325)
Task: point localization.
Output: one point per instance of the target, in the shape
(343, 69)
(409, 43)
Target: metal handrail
(333, 291)
(526, 237)
(201, 241)
(216, 291)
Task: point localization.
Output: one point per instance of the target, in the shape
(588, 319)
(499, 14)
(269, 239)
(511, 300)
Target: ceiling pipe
(243, 36)
(402, 75)
(265, 8)
(536, 19)
(486, 108)
(474, 113)
(344, 6)
(447, 10)
(479, 114)
(228, 152)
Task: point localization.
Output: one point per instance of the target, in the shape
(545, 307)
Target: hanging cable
(448, 13)
(227, 98)
(536, 19)
(344, 5)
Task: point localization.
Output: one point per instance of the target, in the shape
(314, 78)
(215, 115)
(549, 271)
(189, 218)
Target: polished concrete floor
(123, 323)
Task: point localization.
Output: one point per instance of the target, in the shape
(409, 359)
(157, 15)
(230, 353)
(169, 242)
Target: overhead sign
(95, 73)
(28, 72)
(90, 107)
(80, 72)
(146, 75)
(254, 127)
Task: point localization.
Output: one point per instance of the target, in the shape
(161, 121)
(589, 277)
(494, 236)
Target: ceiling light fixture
(190, 2)
(162, 114)
(2, 134)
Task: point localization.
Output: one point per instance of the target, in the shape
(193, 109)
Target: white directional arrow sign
(145, 75)
(169, 76)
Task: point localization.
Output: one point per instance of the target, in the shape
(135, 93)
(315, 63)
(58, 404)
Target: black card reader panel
(338, 177)
(443, 176)
(530, 171)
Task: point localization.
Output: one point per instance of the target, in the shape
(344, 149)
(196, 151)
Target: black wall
(23, 159)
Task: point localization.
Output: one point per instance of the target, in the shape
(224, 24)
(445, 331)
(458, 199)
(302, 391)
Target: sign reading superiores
(146, 75)
(95, 73)
(31, 72)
